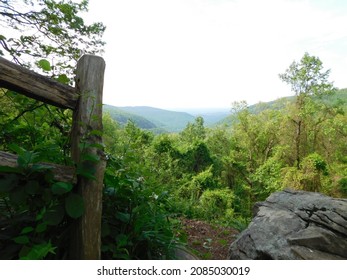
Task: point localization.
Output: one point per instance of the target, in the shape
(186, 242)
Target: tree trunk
(298, 143)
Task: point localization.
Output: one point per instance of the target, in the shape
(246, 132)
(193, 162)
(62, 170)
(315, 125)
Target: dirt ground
(208, 242)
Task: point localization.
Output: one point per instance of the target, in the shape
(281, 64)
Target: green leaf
(41, 227)
(40, 215)
(26, 158)
(40, 167)
(8, 169)
(23, 239)
(63, 79)
(15, 148)
(122, 240)
(98, 146)
(74, 205)
(60, 188)
(54, 216)
(44, 64)
(40, 251)
(96, 132)
(26, 230)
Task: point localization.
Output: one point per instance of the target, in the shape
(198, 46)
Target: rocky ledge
(295, 225)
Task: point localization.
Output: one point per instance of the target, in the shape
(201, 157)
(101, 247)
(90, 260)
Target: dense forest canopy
(214, 174)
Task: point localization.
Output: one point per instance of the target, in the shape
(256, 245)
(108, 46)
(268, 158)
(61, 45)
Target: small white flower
(155, 196)
(140, 179)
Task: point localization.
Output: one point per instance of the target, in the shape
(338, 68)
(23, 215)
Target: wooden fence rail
(61, 173)
(86, 102)
(36, 86)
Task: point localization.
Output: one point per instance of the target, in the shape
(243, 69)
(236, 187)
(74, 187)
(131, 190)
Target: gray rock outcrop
(295, 225)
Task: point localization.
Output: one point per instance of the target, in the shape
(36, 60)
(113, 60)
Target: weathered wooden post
(88, 154)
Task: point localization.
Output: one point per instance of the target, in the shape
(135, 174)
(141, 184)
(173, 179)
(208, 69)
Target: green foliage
(307, 77)
(343, 185)
(34, 222)
(34, 126)
(44, 65)
(194, 132)
(310, 84)
(123, 117)
(135, 223)
(52, 31)
(312, 168)
(195, 158)
(197, 184)
(310, 176)
(216, 204)
(268, 178)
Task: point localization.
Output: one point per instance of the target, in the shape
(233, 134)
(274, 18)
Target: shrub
(214, 204)
(135, 222)
(36, 212)
(196, 185)
(312, 168)
(343, 185)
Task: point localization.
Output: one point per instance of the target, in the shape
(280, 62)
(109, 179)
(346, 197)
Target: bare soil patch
(208, 242)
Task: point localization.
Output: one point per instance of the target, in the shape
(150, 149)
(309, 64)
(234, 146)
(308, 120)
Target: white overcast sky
(209, 53)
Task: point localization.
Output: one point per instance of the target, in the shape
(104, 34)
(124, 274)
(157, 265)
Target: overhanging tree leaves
(47, 29)
(47, 36)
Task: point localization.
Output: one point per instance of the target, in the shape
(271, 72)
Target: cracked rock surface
(295, 225)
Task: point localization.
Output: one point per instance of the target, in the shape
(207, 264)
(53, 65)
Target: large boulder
(295, 225)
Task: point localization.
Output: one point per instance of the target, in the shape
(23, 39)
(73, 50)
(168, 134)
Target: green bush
(215, 204)
(268, 178)
(135, 222)
(343, 185)
(36, 212)
(197, 184)
(312, 168)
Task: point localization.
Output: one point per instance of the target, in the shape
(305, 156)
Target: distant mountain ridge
(171, 121)
(150, 118)
(161, 120)
(122, 117)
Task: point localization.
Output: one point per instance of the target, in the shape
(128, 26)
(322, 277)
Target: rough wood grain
(86, 241)
(61, 173)
(34, 85)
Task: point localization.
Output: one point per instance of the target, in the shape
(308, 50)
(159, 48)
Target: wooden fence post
(86, 148)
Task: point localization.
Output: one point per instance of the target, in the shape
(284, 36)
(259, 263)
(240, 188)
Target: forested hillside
(166, 120)
(338, 98)
(160, 120)
(123, 117)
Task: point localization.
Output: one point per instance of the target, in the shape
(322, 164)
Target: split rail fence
(85, 99)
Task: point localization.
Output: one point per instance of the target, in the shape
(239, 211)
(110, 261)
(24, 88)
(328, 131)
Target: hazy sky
(209, 53)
